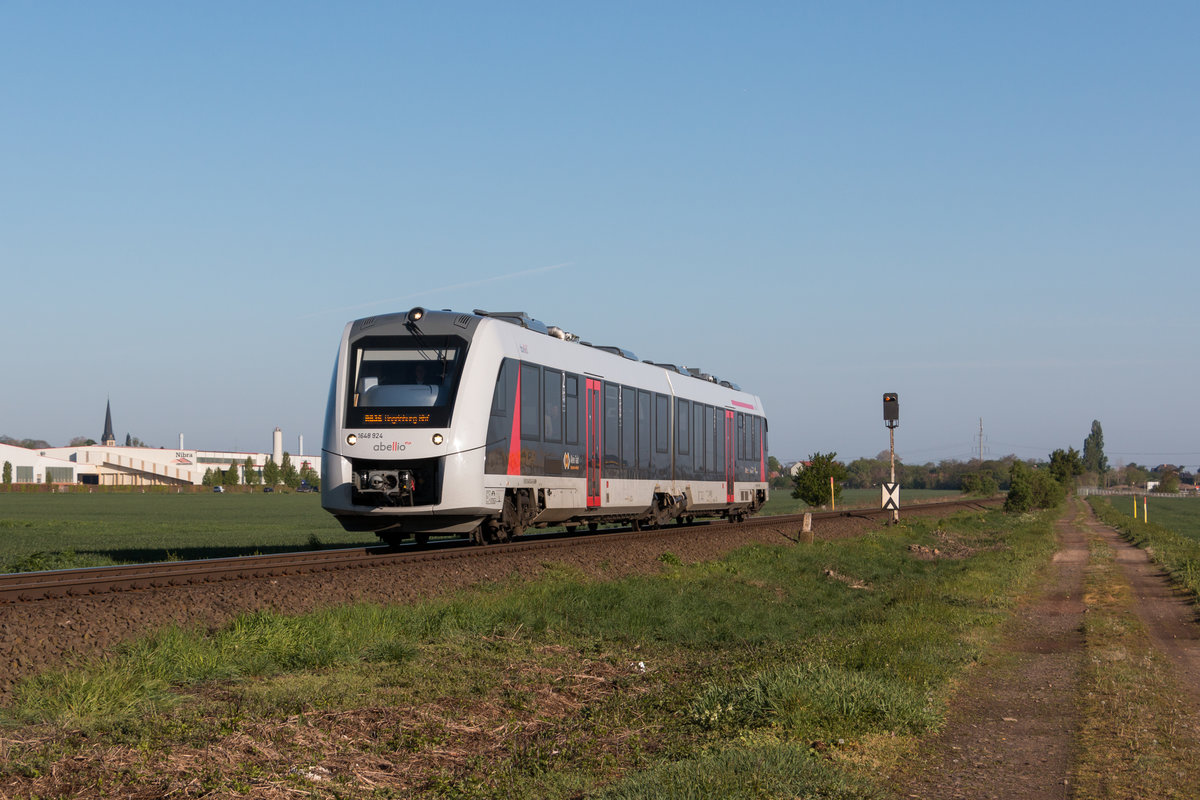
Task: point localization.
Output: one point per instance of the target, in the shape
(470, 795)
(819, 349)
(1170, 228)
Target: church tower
(108, 439)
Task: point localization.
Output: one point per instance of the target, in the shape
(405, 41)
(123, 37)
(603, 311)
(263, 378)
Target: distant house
(35, 466)
(109, 464)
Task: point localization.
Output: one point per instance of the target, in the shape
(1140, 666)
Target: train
(488, 424)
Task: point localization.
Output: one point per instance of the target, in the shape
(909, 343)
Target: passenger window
(662, 423)
(643, 435)
(628, 428)
(612, 427)
(531, 395)
(683, 436)
(572, 420)
(710, 434)
(500, 395)
(552, 399)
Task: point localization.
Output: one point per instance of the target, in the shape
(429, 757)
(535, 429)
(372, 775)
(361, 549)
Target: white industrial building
(107, 464)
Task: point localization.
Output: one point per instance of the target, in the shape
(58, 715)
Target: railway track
(33, 586)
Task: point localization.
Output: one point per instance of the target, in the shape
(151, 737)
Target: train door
(592, 416)
(729, 456)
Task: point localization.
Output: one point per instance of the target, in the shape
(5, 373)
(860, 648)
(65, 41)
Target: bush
(1031, 489)
(812, 482)
(982, 484)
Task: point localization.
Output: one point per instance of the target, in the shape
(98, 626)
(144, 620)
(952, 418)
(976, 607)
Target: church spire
(108, 438)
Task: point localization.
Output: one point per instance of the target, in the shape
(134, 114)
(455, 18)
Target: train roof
(521, 319)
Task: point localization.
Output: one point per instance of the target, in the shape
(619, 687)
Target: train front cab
(399, 444)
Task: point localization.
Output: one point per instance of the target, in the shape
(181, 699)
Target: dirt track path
(1011, 728)
(1170, 618)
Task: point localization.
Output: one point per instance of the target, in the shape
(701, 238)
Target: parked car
(268, 489)
(218, 488)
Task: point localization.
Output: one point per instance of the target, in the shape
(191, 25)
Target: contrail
(452, 287)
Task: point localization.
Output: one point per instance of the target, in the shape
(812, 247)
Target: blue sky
(990, 209)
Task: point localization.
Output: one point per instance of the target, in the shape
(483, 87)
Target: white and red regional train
(487, 424)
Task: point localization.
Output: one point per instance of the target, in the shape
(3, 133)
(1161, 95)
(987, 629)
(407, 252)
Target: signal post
(891, 418)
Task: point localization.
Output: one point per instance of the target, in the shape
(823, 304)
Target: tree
(1094, 459)
(1135, 475)
(812, 482)
(7, 473)
(128, 440)
(310, 476)
(1020, 489)
(288, 473)
(981, 484)
(81, 441)
(207, 480)
(251, 474)
(1031, 489)
(28, 444)
(1065, 466)
(1047, 492)
(270, 473)
(230, 476)
(777, 474)
(1169, 482)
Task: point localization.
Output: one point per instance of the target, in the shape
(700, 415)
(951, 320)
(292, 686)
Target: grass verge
(1177, 553)
(1137, 737)
(783, 671)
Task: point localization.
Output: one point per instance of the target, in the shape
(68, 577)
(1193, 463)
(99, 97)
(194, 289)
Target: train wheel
(636, 525)
(593, 526)
(422, 537)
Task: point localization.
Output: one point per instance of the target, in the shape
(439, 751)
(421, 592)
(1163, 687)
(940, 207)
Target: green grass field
(782, 502)
(1171, 537)
(1180, 514)
(59, 531)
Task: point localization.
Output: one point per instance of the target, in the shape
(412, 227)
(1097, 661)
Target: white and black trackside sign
(891, 496)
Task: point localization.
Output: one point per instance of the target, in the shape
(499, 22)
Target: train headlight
(437, 438)
(415, 314)
(351, 440)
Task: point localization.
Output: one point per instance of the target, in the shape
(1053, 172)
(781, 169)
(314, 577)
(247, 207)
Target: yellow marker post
(1135, 506)
(832, 496)
(1144, 517)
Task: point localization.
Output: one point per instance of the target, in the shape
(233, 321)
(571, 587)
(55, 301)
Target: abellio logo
(391, 447)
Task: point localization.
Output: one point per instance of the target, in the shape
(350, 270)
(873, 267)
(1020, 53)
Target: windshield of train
(403, 382)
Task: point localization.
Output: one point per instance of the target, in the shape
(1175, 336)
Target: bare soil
(1011, 730)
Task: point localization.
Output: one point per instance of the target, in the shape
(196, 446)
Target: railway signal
(891, 409)
(891, 418)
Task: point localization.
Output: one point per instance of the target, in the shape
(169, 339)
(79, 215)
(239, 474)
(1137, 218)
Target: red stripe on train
(514, 439)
